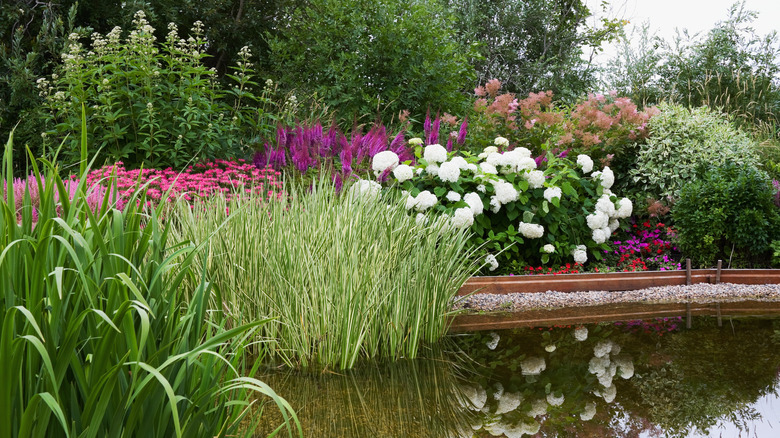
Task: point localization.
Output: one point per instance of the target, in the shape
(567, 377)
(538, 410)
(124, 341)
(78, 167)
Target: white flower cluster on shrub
(504, 183)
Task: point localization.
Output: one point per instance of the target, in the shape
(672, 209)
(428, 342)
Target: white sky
(695, 15)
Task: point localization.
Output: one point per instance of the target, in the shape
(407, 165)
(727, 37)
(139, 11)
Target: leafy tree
(362, 57)
(532, 45)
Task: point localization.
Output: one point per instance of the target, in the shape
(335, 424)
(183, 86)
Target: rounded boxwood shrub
(730, 208)
(682, 140)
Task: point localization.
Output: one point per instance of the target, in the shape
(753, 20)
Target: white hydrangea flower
(530, 231)
(462, 218)
(604, 204)
(365, 188)
(554, 400)
(552, 192)
(449, 172)
(453, 196)
(421, 219)
(599, 236)
(549, 248)
(613, 225)
(550, 348)
(495, 204)
(538, 407)
(509, 402)
(475, 202)
(384, 160)
(532, 366)
(505, 192)
(515, 159)
(580, 256)
(491, 261)
(471, 167)
(435, 153)
(495, 159)
(487, 151)
(432, 169)
(606, 176)
(488, 168)
(403, 173)
(411, 202)
(425, 200)
(416, 141)
(419, 170)
(535, 179)
(460, 162)
(589, 412)
(585, 162)
(597, 220)
(581, 333)
(625, 208)
(481, 188)
(501, 141)
(526, 164)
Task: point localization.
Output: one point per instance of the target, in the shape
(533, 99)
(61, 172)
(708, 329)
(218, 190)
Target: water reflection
(633, 379)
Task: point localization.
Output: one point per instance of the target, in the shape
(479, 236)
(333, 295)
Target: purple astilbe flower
(376, 141)
(427, 125)
(399, 142)
(329, 143)
(462, 132)
(449, 144)
(277, 158)
(338, 182)
(346, 159)
(433, 137)
(540, 159)
(281, 136)
(564, 154)
(357, 145)
(261, 157)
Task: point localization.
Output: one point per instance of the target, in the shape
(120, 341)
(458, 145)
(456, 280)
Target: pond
(625, 379)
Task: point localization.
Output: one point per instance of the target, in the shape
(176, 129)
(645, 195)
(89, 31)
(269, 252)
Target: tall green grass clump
(95, 340)
(345, 275)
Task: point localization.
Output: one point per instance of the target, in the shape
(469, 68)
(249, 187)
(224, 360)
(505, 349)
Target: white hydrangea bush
(522, 210)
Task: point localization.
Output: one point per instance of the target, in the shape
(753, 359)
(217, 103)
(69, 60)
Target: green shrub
(97, 338)
(154, 104)
(729, 209)
(683, 140)
(346, 276)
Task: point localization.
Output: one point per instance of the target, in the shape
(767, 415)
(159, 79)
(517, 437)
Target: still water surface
(650, 378)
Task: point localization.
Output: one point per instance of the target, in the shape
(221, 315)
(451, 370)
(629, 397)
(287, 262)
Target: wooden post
(717, 275)
(688, 272)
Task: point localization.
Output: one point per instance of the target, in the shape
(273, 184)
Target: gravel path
(696, 293)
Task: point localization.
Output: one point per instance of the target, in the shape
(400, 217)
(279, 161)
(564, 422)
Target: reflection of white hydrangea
(493, 342)
(403, 173)
(585, 162)
(602, 348)
(530, 231)
(605, 378)
(549, 248)
(625, 366)
(509, 402)
(625, 208)
(384, 160)
(532, 366)
(609, 394)
(597, 220)
(475, 202)
(531, 428)
(462, 218)
(453, 196)
(615, 349)
(449, 172)
(598, 365)
(501, 141)
(554, 400)
(435, 153)
(535, 179)
(552, 192)
(538, 407)
(604, 204)
(589, 412)
(505, 192)
(472, 396)
(581, 333)
(365, 189)
(499, 390)
(491, 261)
(549, 348)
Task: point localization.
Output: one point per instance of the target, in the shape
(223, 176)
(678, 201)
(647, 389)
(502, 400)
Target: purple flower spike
(449, 144)
(427, 125)
(433, 137)
(462, 132)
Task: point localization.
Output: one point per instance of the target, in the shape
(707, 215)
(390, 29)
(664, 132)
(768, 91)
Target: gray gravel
(696, 293)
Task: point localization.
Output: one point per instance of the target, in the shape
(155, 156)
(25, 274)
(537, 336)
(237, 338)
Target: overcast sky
(695, 15)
